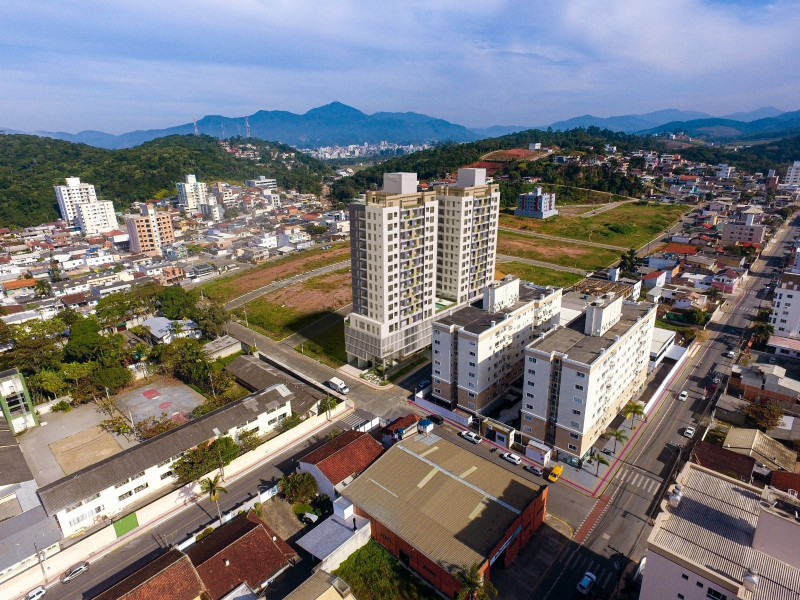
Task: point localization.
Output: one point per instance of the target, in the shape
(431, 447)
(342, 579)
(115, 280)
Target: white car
(35, 594)
(730, 354)
(586, 583)
(683, 396)
(688, 432)
(471, 436)
(511, 457)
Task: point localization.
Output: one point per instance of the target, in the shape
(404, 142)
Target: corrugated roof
(22, 534)
(450, 504)
(713, 527)
(97, 477)
(760, 446)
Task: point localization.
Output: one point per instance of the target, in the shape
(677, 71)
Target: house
(322, 586)
(766, 382)
(654, 279)
(727, 281)
(400, 429)
(727, 462)
(244, 550)
(163, 330)
(221, 347)
(787, 482)
(768, 453)
(335, 464)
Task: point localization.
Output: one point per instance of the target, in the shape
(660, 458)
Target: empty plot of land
(227, 288)
(537, 275)
(85, 448)
(556, 252)
(631, 225)
(326, 346)
(290, 309)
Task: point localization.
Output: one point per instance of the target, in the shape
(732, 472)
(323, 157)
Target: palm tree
(42, 287)
(601, 460)
(762, 331)
(633, 410)
(213, 488)
(473, 585)
(713, 293)
(619, 435)
(176, 329)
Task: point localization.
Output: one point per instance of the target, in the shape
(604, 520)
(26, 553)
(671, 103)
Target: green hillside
(776, 154)
(30, 166)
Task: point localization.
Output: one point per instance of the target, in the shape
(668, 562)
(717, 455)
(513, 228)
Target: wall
(338, 556)
(324, 485)
(662, 574)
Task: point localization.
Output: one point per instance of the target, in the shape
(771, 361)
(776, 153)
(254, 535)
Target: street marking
(623, 474)
(653, 486)
(635, 479)
(592, 566)
(605, 579)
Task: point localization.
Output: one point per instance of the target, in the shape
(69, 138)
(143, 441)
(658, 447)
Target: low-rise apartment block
(578, 377)
(536, 204)
(149, 231)
(479, 352)
(719, 538)
(467, 244)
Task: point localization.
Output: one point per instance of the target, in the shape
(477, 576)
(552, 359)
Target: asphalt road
(620, 534)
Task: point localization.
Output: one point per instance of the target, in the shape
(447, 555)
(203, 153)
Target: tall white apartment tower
(467, 246)
(74, 192)
(393, 236)
(793, 174)
(192, 193)
(96, 217)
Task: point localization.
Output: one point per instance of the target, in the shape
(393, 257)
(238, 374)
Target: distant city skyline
(118, 67)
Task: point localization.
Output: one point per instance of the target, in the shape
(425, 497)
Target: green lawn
(374, 574)
(277, 321)
(630, 225)
(538, 275)
(566, 254)
(327, 347)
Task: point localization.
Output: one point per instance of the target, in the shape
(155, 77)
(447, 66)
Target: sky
(70, 65)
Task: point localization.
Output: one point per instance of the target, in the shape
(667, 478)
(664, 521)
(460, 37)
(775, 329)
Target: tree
(42, 288)
(47, 381)
(174, 302)
(55, 269)
(601, 460)
(211, 320)
(194, 249)
(628, 261)
(764, 415)
(85, 341)
(112, 378)
(619, 435)
(298, 487)
(633, 410)
(762, 332)
(248, 440)
(205, 458)
(713, 293)
(473, 584)
(213, 488)
(695, 316)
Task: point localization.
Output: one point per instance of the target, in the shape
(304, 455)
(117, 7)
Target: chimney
(227, 562)
(354, 524)
(751, 579)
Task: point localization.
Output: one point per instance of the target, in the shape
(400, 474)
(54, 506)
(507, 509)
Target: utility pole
(41, 563)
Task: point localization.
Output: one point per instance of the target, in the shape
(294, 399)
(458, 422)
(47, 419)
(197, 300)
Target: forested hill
(30, 166)
(441, 160)
(777, 154)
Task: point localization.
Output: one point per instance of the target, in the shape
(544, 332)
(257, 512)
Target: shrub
(61, 406)
(204, 533)
(290, 422)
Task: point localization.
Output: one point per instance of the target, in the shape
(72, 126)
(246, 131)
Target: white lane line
(635, 479)
(653, 487)
(591, 566)
(623, 473)
(605, 580)
(571, 558)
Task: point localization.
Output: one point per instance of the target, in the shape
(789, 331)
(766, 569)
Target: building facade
(739, 231)
(149, 231)
(15, 402)
(262, 182)
(467, 243)
(785, 316)
(578, 377)
(479, 353)
(72, 194)
(793, 174)
(96, 217)
(393, 238)
(536, 204)
(191, 193)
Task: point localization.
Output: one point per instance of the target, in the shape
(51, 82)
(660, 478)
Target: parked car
(683, 396)
(586, 583)
(35, 594)
(437, 419)
(534, 469)
(730, 354)
(309, 518)
(424, 383)
(471, 436)
(511, 457)
(688, 432)
(555, 473)
(74, 571)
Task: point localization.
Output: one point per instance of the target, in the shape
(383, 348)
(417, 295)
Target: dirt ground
(82, 449)
(278, 514)
(327, 292)
(547, 248)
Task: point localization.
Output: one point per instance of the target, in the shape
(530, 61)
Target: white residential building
(261, 182)
(393, 237)
(536, 204)
(467, 244)
(578, 377)
(191, 193)
(71, 194)
(479, 353)
(292, 236)
(96, 217)
(725, 171)
(785, 317)
(722, 539)
(793, 175)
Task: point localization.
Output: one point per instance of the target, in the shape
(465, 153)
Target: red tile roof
(723, 461)
(653, 275)
(402, 422)
(783, 480)
(242, 550)
(676, 248)
(349, 453)
(171, 576)
(18, 284)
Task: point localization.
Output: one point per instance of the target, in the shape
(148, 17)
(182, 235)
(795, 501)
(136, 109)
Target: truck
(337, 384)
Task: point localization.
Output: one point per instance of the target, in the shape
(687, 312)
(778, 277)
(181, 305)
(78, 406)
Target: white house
(164, 330)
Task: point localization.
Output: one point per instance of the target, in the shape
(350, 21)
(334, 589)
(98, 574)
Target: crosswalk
(633, 478)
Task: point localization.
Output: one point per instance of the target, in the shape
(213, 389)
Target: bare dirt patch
(80, 450)
(327, 292)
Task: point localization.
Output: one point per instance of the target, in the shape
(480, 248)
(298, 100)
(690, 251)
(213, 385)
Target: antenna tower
(194, 120)
(247, 125)
(223, 131)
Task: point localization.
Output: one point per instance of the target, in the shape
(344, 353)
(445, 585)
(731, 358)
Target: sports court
(159, 395)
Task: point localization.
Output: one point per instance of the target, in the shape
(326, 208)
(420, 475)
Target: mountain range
(339, 124)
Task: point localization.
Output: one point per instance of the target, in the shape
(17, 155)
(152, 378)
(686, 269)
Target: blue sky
(117, 66)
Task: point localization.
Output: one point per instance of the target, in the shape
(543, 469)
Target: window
(527, 428)
(471, 404)
(139, 488)
(699, 584)
(572, 447)
(472, 364)
(715, 595)
(472, 394)
(579, 387)
(529, 394)
(166, 474)
(577, 400)
(529, 406)
(575, 411)
(684, 576)
(528, 417)
(574, 424)
(531, 359)
(125, 495)
(574, 436)
(581, 375)
(531, 372)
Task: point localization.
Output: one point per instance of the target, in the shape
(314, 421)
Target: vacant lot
(560, 253)
(282, 313)
(327, 346)
(630, 225)
(537, 275)
(80, 450)
(232, 286)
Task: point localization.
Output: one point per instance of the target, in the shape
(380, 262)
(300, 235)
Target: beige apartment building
(150, 230)
(579, 376)
(393, 236)
(467, 246)
(72, 194)
(478, 353)
(722, 539)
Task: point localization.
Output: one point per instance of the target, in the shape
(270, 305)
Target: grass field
(290, 309)
(327, 347)
(233, 286)
(565, 254)
(568, 194)
(628, 225)
(537, 275)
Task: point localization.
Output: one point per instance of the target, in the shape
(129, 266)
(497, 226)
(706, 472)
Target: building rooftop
(713, 527)
(723, 461)
(255, 374)
(347, 454)
(760, 446)
(580, 347)
(450, 504)
(321, 586)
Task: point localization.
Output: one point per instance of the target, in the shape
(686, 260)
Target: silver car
(74, 571)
